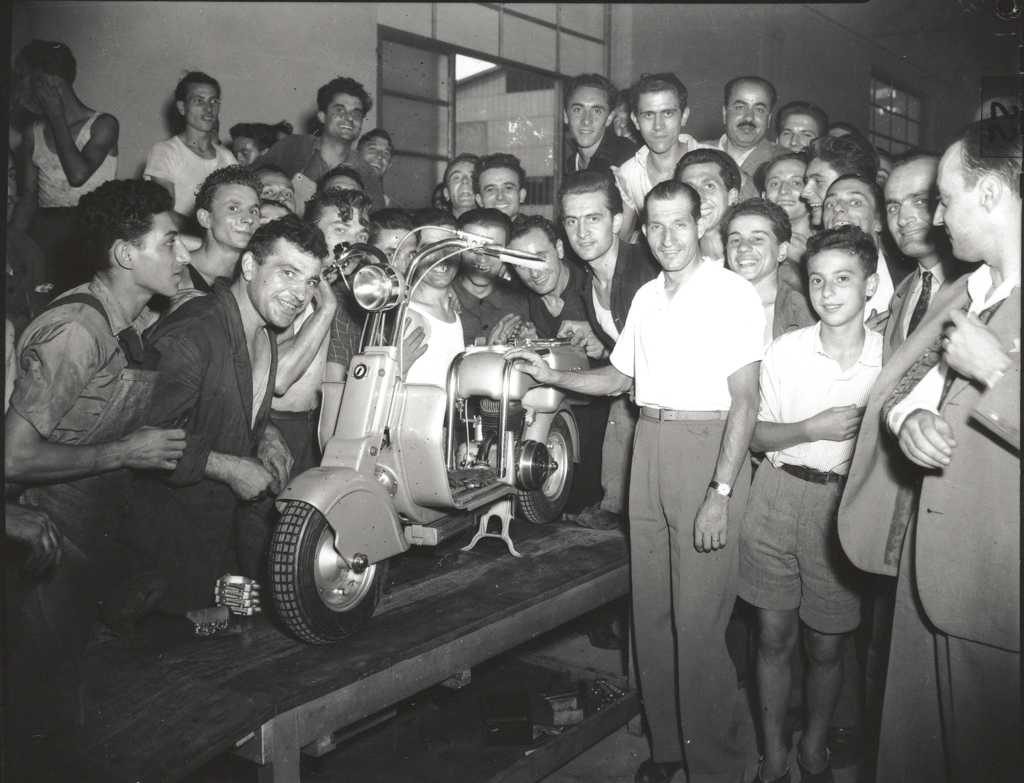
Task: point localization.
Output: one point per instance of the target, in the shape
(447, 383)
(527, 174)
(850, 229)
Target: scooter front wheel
(318, 595)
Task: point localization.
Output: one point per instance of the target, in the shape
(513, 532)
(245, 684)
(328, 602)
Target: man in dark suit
(909, 208)
(948, 401)
(590, 146)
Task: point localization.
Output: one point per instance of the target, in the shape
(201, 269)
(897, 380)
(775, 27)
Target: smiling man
(217, 356)
(716, 178)
(342, 105)
(499, 182)
(688, 481)
(458, 183)
(829, 158)
(587, 113)
(783, 183)
(800, 123)
(747, 110)
(853, 200)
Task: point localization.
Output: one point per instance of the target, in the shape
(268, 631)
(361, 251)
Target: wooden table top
(164, 701)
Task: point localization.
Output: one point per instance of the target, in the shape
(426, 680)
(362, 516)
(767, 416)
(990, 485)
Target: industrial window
(895, 117)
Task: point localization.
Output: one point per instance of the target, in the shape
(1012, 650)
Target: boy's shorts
(790, 556)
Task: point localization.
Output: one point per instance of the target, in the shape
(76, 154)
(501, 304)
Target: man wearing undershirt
(592, 208)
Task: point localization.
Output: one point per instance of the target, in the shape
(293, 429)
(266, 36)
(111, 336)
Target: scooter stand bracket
(503, 510)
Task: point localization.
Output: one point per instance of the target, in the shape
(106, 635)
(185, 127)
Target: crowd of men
(809, 352)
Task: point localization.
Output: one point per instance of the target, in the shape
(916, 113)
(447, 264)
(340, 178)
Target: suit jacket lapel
(1006, 325)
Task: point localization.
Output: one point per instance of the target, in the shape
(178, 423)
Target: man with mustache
(218, 359)
(749, 102)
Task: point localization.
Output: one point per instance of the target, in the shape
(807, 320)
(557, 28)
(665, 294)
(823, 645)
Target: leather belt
(667, 414)
(812, 475)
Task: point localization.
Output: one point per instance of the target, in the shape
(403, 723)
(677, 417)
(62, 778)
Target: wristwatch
(723, 489)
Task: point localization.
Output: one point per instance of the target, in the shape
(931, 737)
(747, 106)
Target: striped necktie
(924, 363)
(922, 302)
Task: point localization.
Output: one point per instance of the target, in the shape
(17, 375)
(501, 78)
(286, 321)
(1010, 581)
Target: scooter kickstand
(503, 510)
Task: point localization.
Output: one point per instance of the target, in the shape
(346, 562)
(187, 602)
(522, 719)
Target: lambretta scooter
(411, 464)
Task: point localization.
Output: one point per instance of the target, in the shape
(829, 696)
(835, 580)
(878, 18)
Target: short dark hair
(229, 175)
(347, 202)
(262, 134)
(52, 57)
(193, 78)
(761, 174)
(669, 189)
(498, 160)
(431, 216)
(803, 107)
(341, 170)
(592, 181)
(727, 167)
(119, 209)
(486, 216)
(269, 168)
(773, 95)
(462, 157)
(992, 146)
(392, 218)
(845, 155)
(850, 239)
(773, 213)
(868, 182)
(524, 224)
(594, 80)
(290, 228)
(665, 81)
(343, 85)
(376, 133)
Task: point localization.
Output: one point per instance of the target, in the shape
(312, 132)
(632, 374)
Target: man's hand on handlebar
(581, 336)
(529, 362)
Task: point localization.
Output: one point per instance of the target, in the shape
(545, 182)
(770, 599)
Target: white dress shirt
(914, 294)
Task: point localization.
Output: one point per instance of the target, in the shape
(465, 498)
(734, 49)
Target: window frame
(884, 141)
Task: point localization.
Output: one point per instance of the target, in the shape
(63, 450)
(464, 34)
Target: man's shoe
(597, 518)
(652, 771)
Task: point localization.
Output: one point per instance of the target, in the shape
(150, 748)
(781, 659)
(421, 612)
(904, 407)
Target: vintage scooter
(411, 464)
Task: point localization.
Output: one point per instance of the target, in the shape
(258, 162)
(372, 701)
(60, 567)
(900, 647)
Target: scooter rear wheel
(317, 595)
(546, 504)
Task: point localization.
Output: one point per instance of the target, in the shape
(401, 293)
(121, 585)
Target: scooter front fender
(357, 507)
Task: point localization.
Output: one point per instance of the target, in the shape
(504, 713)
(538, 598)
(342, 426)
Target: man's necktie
(922, 302)
(924, 363)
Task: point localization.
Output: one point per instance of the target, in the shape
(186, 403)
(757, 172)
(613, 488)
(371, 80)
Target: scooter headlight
(377, 287)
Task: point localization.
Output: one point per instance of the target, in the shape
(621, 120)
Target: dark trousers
(683, 599)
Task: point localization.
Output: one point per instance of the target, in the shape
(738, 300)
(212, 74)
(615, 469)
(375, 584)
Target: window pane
(913, 107)
(545, 11)
(899, 128)
(533, 44)
(415, 126)
(578, 55)
(414, 71)
(584, 18)
(410, 181)
(880, 94)
(468, 24)
(899, 102)
(880, 121)
(913, 132)
(411, 17)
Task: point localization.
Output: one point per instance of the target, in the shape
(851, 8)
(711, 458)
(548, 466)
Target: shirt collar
(870, 352)
(723, 145)
(937, 271)
(979, 284)
(115, 313)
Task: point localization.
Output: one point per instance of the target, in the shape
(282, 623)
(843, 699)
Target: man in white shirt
(949, 400)
(182, 162)
(660, 112)
(853, 200)
(688, 483)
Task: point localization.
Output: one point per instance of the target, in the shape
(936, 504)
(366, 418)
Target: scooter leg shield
(358, 509)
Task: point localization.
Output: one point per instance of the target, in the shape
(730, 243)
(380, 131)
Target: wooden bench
(165, 702)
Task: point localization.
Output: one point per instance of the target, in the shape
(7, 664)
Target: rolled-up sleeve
(55, 364)
(182, 367)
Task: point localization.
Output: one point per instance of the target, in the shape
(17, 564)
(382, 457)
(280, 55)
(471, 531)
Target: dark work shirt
(612, 151)
(573, 308)
(634, 266)
(479, 316)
